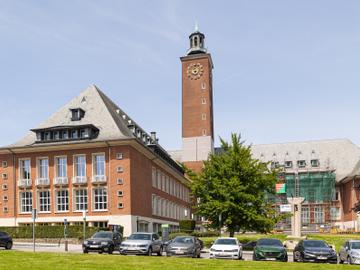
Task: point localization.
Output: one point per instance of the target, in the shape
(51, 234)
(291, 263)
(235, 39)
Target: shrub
(187, 225)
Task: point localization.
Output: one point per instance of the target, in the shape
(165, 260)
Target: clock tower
(197, 103)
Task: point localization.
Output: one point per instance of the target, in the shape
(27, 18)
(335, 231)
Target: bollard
(66, 245)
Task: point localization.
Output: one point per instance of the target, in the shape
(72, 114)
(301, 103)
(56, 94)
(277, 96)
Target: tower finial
(196, 26)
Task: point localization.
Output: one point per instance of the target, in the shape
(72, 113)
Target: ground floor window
(335, 213)
(319, 216)
(100, 224)
(62, 200)
(81, 199)
(26, 202)
(44, 201)
(305, 215)
(100, 199)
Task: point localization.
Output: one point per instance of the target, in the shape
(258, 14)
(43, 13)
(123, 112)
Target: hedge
(49, 231)
(187, 225)
(197, 234)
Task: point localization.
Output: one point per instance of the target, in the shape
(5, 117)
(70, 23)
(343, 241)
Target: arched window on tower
(195, 41)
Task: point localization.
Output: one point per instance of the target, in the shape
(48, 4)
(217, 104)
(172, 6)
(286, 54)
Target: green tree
(232, 188)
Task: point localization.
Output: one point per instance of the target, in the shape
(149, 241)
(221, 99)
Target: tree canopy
(232, 188)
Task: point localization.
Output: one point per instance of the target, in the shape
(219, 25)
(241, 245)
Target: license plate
(93, 246)
(322, 258)
(179, 252)
(271, 259)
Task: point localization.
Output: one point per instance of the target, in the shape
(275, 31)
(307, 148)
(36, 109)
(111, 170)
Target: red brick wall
(192, 107)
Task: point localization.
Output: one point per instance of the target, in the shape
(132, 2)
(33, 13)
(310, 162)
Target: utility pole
(34, 216)
(84, 222)
(65, 234)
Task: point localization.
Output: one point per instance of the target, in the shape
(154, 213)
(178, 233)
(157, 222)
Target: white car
(350, 252)
(226, 248)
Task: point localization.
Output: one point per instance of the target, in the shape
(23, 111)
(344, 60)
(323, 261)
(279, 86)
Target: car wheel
(149, 251)
(8, 245)
(254, 257)
(286, 259)
(199, 254)
(111, 250)
(101, 251)
(85, 250)
(160, 251)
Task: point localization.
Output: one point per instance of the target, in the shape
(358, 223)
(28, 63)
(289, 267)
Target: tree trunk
(232, 232)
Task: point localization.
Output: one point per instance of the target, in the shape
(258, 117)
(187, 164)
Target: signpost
(65, 234)
(84, 219)
(165, 232)
(34, 216)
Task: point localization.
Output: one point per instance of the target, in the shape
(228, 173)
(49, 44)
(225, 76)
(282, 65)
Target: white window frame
(85, 198)
(94, 164)
(119, 156)
(75, 165)
(44, 202)
(20, 167)
(39, 168)
(319, 216)
(120, 181)
(94, 203)
(66, 204)
(120, 193)
(4, 164)
(56, 172)
(27, 205)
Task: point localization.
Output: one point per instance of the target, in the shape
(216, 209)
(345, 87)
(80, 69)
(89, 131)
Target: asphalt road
(41, 247)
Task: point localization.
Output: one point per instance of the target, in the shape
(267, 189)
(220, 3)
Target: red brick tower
(197, 103)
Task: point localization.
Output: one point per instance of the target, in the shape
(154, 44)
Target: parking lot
(42, 247)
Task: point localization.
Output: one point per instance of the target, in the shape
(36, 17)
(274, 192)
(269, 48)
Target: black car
(5, 240)
(314, 251)
(103, 241)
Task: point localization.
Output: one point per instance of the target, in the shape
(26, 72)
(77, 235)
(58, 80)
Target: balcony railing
(24, 183)
(99, 179)
(79, 180)
(61, 181)
(42, 182)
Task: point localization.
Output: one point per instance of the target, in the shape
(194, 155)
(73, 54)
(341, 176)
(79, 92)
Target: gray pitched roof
(340, 155)
(100, 111)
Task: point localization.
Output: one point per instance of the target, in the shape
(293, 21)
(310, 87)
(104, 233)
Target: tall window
(80, 166)
(153, 177)
(26, 202)
(99, 164)
(305, 215)
(62, 200)
(61, 165)
(25, 169)
(44, 201)
(81, 199)
(43, 168)
(100, 199)
(319, 215)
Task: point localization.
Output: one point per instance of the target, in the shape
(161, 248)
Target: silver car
(142, 244)
(187, 246)
(350, 252)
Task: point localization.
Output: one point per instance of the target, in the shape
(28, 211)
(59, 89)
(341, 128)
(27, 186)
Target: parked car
(142, 244)
(187, 246)
(350, 252)
(103, 241)
(314, 251)
(5, 240)
(270, 249)
(249, 245)
(226, 248)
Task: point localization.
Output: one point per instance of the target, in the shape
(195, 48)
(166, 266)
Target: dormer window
(77, 114)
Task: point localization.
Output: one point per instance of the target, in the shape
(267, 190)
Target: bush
(49, 231)
(205, 234)
(187, 225)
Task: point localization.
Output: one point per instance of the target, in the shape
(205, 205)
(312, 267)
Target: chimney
(153, 136)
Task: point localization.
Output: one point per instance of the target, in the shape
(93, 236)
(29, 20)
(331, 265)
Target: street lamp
(84, 221)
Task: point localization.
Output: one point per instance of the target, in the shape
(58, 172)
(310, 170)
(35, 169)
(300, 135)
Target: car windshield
(183, 240)
(355, 245)
(140, 236)
(315, 244)
(102, 235)
(224, 241)
(269, 242)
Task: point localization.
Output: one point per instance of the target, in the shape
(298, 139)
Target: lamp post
(84, 222)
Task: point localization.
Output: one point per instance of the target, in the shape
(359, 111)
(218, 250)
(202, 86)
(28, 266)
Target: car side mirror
(284, 245)
(331, 247)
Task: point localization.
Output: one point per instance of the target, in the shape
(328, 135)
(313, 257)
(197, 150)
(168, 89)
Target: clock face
(195, 71)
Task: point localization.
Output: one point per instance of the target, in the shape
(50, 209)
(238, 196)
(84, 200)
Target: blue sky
(284, 70)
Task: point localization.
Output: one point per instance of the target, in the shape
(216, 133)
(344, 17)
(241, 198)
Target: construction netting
(314, 187)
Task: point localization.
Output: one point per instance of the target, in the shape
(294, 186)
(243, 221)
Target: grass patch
(16, 260)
